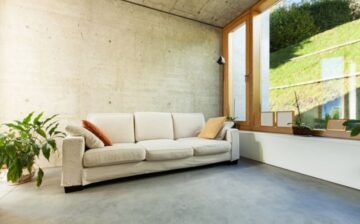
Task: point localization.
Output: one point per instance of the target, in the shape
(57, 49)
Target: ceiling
(213, 12)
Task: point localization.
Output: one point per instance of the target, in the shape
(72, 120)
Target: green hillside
(287, 71)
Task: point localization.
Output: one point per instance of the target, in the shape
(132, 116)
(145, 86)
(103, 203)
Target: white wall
(334, 160)
(74, 57)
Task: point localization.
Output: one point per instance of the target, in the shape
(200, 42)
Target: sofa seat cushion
(204, 147)
(115, 154)
(166, 149)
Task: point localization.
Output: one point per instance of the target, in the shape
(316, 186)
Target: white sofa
(143, 142)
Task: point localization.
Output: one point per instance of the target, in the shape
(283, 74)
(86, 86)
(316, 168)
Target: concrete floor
(246, 193)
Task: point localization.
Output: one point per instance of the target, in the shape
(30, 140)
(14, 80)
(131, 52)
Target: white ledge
(335, 160)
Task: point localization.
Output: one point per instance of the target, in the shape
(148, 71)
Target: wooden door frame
(246, 18)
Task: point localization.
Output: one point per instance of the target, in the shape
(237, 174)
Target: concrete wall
(334, 160)
(75, 57)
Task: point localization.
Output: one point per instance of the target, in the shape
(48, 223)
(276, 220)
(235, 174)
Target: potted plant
(25, 140)
(353, 126)
(300, 128)
(231, 119)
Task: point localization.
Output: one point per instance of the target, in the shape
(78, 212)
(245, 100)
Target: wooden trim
(236, 22)
(253, 85)
(282, 130)
(255, 71)
(258, 7)
(316, 133)
(226, 106)
(227, 30)
(335, 134)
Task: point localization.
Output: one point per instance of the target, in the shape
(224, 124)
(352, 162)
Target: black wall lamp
(221, 60)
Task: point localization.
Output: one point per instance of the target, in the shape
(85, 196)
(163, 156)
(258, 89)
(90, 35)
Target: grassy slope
(309, 68)
(285, 72)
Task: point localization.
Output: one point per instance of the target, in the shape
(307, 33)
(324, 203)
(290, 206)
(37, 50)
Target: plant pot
(25, 177)
(301, 130)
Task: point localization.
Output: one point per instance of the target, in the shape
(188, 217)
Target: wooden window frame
(245, 18)
(253, 110)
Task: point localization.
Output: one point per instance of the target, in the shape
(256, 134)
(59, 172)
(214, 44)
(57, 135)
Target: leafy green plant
(299, 121)
(353, 126)
(292, 24)
(289, 26)
(230, 118)
(25, 140)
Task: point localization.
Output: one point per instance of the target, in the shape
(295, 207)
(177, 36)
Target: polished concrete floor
(249, 192)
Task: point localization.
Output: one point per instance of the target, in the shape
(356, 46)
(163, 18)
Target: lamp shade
(221, 60)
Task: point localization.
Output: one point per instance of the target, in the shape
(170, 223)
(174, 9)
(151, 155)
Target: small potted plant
(300, 128)
(353, 126)
(25, 140)
(231, 119)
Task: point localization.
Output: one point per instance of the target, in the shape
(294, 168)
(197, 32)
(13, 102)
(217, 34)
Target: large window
(237, 72)
(237, 68)
(311, 48)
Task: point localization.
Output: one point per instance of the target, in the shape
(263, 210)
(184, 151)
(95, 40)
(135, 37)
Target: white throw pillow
(91, 140)
(227, 125)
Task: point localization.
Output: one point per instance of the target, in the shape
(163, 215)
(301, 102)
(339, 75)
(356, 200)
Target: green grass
(285, 71)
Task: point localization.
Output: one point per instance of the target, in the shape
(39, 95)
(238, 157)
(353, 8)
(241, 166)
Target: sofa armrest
(232, 135)
(72, 157)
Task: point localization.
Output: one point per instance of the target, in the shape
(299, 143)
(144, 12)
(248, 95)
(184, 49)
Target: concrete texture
(215, 12)
(246, 193)
(76, 57)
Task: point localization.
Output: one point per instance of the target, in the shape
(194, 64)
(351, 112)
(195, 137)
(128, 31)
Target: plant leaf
(30, 165)
(46, 150)
(51, 124)
(39, 177)
(52, 143)
(351, 123)
(50, 118)
(15, 126)
(27, 119)
(355, 130)
(37, 118)
(14, 170)
(36, 149)
(41, 132)
(53, 129)
(59, 134)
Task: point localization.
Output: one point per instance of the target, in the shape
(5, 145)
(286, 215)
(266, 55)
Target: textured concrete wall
(75, 57)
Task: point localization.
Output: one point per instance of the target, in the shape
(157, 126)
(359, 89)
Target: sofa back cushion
(187, 124)
(119, 127)
(153, 125)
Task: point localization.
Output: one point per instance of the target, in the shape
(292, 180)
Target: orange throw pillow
(97, 131)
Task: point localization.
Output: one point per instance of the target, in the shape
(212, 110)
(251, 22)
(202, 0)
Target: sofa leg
(73, 188)
(234, 162)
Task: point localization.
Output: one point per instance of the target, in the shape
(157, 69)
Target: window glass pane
(311, 48)
(237, 72)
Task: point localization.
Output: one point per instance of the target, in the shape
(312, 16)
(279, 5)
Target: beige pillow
(91, 141)
(227, 125)
(212, 127)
